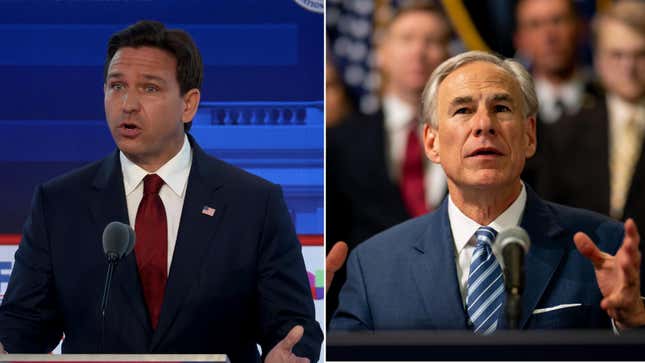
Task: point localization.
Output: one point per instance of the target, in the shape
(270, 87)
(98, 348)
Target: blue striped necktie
(485, 284)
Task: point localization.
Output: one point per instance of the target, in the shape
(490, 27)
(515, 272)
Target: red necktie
(151, 248)
(412, 189)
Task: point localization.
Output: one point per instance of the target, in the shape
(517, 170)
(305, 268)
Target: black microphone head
(512, 235)
(116, 239)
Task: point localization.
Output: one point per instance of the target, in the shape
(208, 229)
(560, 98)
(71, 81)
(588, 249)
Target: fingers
(588, 248)
(628, 257)
(334, 261)
(336, 257)
(632, 238)
(294, 336)
(2, 351)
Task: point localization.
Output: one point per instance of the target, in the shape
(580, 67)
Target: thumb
(588, 248)
(2, 351)
(336, 257)
(294, 336)
(334, 261)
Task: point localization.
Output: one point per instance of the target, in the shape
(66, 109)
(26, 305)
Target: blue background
(262, 92)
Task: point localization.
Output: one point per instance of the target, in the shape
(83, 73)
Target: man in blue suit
(217, 267)
(438, 271)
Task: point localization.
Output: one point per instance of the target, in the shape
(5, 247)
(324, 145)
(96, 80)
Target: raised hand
(618, 276)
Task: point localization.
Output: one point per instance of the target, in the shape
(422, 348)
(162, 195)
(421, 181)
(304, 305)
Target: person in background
(596, 161)
(376, 174)
(547, 36)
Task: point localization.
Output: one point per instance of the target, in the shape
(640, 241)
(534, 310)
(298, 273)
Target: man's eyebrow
(115, 75)
(501, 97)
(150, 77)
(147, 77)
(461, 100)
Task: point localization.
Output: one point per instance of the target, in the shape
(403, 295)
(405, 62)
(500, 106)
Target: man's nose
(483, 123)
(130, 102)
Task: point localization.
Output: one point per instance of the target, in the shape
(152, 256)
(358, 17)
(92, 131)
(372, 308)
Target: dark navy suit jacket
(236, 279)
(405, 278)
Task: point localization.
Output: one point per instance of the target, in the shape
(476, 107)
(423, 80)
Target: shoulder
(217, 171)
(397, 239)
(606, 232)
(76, 180)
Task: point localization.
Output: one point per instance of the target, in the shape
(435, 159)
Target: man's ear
(191, 103)
(531, 136)
(431, 143)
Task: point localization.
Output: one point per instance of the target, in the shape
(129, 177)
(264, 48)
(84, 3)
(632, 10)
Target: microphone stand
(112, 260)
(514, 283)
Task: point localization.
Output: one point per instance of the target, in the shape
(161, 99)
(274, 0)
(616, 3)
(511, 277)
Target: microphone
(513, 244)
(118, 242)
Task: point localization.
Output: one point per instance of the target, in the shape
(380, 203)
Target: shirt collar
(569, 92)
(463, 228)
(620, 111)
(174, 172)
(397, 113)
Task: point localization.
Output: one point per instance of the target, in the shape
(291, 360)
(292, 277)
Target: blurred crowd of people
(591, 117)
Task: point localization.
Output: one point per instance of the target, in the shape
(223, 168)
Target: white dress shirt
(398, 116)
(570, 93)
(463, 229)
(175, 175)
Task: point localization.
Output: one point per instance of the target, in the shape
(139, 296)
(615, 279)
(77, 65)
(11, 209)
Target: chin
(489, 179)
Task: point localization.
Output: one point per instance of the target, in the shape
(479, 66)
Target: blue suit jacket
(236, 279)
(406, 278)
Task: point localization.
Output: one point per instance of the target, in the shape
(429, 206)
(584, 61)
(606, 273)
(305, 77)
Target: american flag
(208, 211)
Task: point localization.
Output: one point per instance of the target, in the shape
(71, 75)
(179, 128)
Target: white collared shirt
(175, 175)
(398, 115)
(463, 229)
(570, 93)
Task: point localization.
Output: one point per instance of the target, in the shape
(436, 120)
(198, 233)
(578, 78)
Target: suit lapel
(545, 253)
(107, 205)
(434, 271)
(196, 230)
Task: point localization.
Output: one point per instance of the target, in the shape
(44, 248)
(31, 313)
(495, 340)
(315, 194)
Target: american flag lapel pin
(208, 211)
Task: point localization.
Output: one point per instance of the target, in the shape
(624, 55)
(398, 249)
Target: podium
(115, 358)
(586, 345)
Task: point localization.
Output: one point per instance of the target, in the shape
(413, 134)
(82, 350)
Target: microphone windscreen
(514, 234)
(116, 238)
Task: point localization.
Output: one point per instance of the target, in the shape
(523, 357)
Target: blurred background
(587, 58)
(262, 99)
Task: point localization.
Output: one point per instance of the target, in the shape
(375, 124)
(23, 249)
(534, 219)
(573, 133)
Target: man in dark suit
(547, 37)
(439, 271)
(376, 174)
(217, 267)
(596, 161)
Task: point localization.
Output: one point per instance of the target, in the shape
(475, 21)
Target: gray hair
(513, 68)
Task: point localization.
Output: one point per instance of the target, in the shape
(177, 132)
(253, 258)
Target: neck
(411, 98)
(484, 205)
(152, 163)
